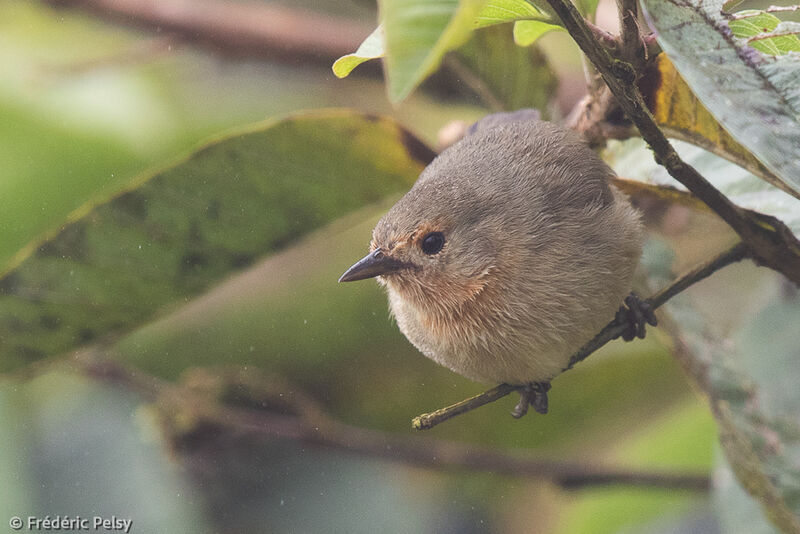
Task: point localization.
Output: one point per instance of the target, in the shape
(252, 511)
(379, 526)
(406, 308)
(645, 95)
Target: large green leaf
(173, 234)
(421, 33)
(417, 35)
(755, 97)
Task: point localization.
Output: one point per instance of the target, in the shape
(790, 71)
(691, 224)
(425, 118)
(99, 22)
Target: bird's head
(478, 215)
(435, 247)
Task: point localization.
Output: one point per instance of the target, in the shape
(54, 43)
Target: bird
(510, 252)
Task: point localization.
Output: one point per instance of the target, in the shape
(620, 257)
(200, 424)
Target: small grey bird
(509, 253)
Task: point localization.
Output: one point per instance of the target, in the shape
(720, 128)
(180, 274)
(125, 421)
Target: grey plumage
(539, 252)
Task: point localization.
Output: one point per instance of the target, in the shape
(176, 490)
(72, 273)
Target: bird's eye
(432, 243)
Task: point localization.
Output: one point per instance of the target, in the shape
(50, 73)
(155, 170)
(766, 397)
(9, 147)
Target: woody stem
(246, 404)
(770, 241)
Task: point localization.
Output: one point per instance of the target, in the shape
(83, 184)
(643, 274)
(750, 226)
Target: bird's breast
(467, 336)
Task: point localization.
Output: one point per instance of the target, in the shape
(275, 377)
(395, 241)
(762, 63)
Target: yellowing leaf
(678, 111)
(755, 97)
(418, 34)
(371, 48)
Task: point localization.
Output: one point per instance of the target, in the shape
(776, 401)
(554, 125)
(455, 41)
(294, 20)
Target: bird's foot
(635, 315)
(533, 394)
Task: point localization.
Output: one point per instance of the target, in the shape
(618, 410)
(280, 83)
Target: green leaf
(510, 77)
(682, 116)
(371, 48)
(423, 47)
(173, 234)
(755, 26)
(501, 11)
(418, 34)
(50, 169)
(756, 98)
(526, 32)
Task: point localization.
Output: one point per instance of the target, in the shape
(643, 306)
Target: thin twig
(225, 399)
(430, 420)
(770, 241)
(773, 35)
(614, 330)
(777, 9)
(610, 332)
(770, 9)
(237, 28)
(734, 254)
(139, 52)
(439, 454)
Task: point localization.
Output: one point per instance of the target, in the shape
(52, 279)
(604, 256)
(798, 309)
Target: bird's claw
(635, 315)
(533, 394)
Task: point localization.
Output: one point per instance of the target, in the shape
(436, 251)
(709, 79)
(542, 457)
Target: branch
(141, 51)
(236, 28)
(244, 403)
(770, 241)
(610, 332)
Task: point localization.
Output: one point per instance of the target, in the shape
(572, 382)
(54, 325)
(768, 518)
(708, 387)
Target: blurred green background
(86, 107)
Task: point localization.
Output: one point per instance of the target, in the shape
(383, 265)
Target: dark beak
(373, 264)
